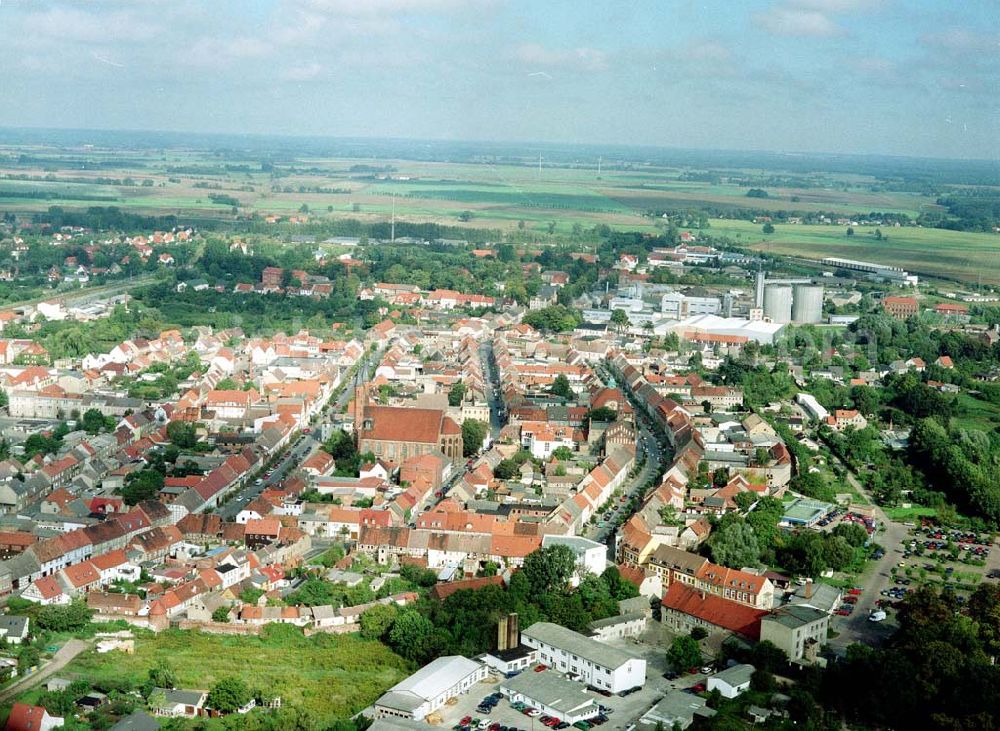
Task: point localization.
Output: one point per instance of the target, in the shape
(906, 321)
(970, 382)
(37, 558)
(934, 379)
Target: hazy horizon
(860, 77)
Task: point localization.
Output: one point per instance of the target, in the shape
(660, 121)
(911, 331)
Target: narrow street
(493, 389)
(876, 578)
(304, 446)
(61, 659)
(646, 444)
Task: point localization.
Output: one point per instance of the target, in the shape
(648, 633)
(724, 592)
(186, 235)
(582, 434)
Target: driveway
(62, 658)
(876, 578)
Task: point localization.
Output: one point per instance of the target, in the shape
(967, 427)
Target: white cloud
(578, 59)
(798, 22)
(210, 51)
(72, 25)
(305, 72)
(961, 40)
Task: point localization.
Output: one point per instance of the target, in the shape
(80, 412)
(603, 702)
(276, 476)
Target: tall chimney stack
(513, 631)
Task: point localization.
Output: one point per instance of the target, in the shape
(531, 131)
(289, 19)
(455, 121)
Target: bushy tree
(228, 695)
(376, 621)
(506, 469)
(561, 387)
(473, 434)
(549, 569)
(411, 635)
(162, 675)
(735, 545)
(456, 394)
(684, 653)
(142, 485)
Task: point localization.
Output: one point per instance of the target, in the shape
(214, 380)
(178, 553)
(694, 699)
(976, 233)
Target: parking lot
(623, 711)
(940, 557)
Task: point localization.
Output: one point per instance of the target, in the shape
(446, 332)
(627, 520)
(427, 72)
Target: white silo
(807, 306)
(778, 303)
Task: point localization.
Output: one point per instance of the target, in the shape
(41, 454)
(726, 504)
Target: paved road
(877, 577)
(647, 444)
(298, 453)
(492, 394)
(302, 448)
(62, 658)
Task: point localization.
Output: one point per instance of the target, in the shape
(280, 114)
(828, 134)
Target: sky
(897, 77)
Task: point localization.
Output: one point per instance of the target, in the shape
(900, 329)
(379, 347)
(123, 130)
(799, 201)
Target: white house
(733, 681)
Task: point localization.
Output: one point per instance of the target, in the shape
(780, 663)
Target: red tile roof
(24, 717)
(714, 609)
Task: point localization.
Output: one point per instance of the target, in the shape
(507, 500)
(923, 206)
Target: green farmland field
(931, 251)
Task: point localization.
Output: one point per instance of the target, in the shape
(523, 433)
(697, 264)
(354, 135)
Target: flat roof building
(599, 665)
(553, 695)
(677, 709)
(797, 629)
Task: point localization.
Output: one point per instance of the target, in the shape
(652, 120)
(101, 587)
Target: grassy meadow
(331, 676)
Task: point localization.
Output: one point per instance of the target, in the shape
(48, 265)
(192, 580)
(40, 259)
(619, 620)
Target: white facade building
(597, 664)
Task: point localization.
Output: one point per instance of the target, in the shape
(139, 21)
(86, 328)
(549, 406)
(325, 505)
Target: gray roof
(550, 689)
(820, 596)
(635, 604)
(575, 643)
(429, 682)
(678, 707)
(137, 721)
(397, 724)
(16, 626)
(736, 675)
(400, 701)
(184, 697)
(578, 544)
(794, 616)
(617, 619)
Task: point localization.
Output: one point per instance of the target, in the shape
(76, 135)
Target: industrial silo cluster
(802, 303)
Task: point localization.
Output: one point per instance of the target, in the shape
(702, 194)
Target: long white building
(597, 664)
(430, 688)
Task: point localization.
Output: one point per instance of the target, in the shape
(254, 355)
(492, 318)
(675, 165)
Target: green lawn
(974, 413)
(331, 676)
(952, 254)
(900, 515)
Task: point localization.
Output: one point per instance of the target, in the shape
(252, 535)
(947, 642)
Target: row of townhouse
(80, 466)
(51, 555)
(593, 491)
(674, 565)
(469, 552)
(234, 473)
(411, 295)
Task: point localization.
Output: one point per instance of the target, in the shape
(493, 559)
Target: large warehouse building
(731, 327)
(430, 688)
